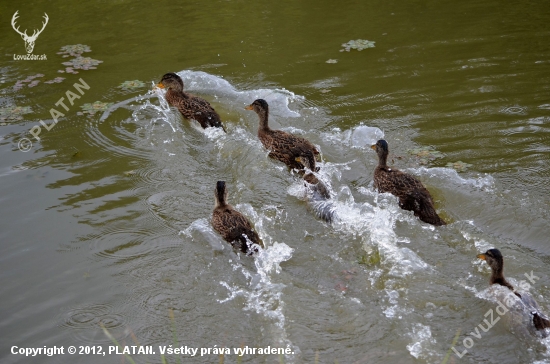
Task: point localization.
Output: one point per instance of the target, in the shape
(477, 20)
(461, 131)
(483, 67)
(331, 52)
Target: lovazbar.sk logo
(29, 40)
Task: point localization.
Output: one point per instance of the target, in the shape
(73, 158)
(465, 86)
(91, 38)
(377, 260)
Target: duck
(282, 146)
(190, 106)
(412, 194)
(494, 259)
(319, 188)
(319, 198)
(232, 225)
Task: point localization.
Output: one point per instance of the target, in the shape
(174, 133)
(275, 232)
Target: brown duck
(494, 258)
(233, 226)
(282, 146)
(190, 106)
(413, 196)
(318, 186)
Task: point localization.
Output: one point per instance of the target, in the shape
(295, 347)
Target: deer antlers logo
(29, 40)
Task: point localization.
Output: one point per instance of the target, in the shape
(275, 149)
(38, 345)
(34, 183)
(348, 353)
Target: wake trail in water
(360, 212)
(263, 295)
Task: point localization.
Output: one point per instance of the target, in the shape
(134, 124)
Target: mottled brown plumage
(413, 196)
(494, 258)
(233, 226)
(190, 106)
(282, 146)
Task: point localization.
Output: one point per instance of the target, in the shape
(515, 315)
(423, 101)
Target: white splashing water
(422, 340)
(201, 229)
(202, 82)
(373, 220)
(486, 182)
(264, 296)
(361, 136)
(156, 113)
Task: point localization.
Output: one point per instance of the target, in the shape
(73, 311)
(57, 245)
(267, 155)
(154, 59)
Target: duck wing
(287, 147)
(395, 182)
(204, 113)
(196, 108)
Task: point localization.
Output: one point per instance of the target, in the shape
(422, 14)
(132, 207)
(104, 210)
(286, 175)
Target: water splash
(361, 136)
(422, 340)
(263, 295)
(278, 99)
(486, 182)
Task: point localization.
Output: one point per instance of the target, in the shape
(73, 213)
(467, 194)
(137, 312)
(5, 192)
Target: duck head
(259, 106)
(171, 81)
(493, 257)
(381, 148)
(220, 194)
(262, 109)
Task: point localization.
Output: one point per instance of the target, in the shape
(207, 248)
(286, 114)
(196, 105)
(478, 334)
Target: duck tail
(423, 207)
(246, 240)
(433, 219)
(540, 321)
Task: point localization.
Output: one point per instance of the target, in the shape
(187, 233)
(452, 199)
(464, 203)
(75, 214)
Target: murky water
(106, 218)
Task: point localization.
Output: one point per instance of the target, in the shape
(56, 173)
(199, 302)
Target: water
(106, 218)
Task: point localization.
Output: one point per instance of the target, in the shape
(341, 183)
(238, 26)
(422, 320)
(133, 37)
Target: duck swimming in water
(282, 146)
(494, 258)
(318, 186)
(413, 196)
(190, 106)
(233, 226)
(318, 192)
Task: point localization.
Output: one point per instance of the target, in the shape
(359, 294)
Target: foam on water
(422, 340)
(375, 222)
(361, 136)
(202, 82)
(263, 295)
(360, 212)
(449, 175)
(153, 113)
(201, 229)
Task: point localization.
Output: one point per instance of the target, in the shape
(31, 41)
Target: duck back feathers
(412, 194)
(190, 106)
(282, 146)
(233, 226)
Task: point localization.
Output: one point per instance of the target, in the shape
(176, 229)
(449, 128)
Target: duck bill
(249, 107)
(298, 159)
(481, 256)
(160, 85)
(373, 147)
